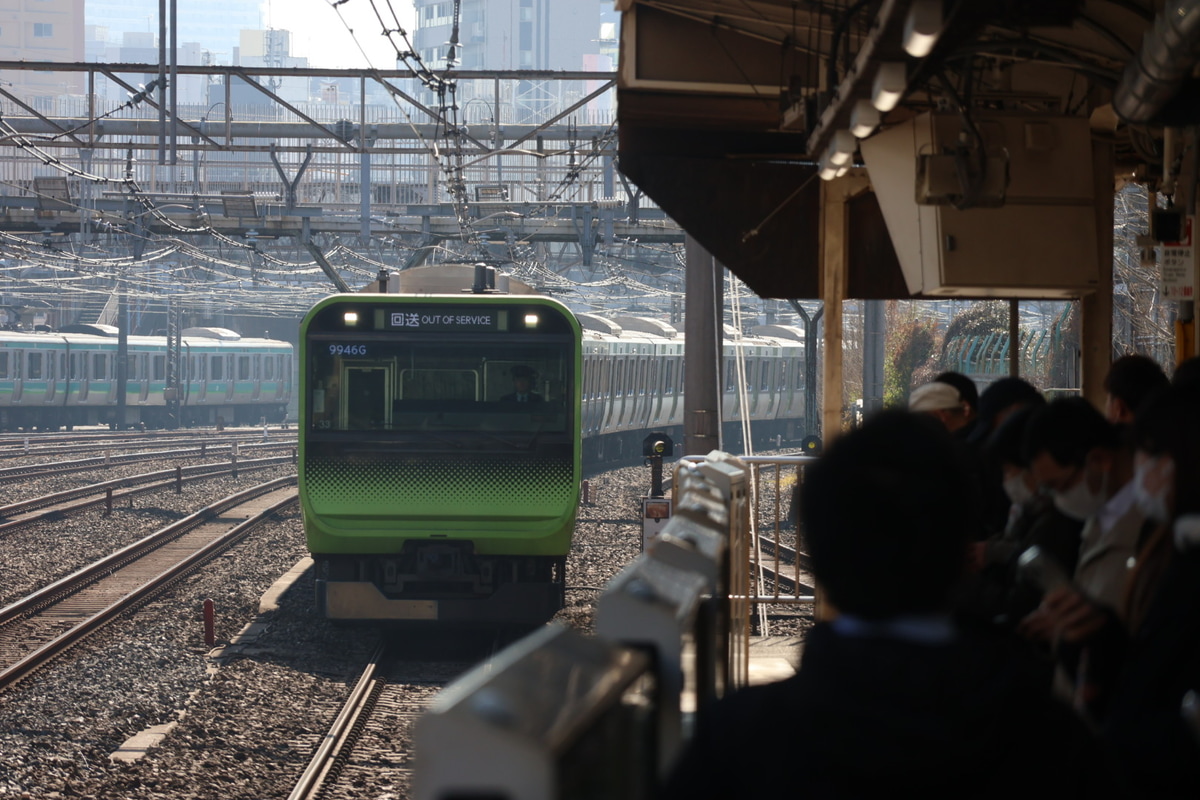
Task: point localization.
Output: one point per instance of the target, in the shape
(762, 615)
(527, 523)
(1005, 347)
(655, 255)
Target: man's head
(967, 390)
(1130, 380)
(1000, 399)
(522, 378)
(1073, 453)
(884, 514)
(940, 400)
(1004, 448)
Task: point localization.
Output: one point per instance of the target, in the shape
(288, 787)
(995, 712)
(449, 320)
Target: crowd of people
(1015, 595)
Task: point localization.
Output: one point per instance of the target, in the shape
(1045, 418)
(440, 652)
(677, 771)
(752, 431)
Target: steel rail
(346, 727)
(73, 583)
(135, 485)
(11, 474)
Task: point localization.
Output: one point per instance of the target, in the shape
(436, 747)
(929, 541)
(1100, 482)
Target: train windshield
(483, 388)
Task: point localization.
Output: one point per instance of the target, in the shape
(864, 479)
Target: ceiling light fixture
(922, 27)
(864, 119)
(890, 82)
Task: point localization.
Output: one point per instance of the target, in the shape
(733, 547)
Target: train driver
(523, 378)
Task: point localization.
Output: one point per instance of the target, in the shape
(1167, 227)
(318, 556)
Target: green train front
(429, 493)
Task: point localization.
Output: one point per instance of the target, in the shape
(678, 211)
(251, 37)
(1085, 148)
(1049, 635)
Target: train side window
(764, 375)
(269, 368)
(3, 365)
(99, 366)
(159, 368)
(33, 366)
(216, 368)
(243, 368)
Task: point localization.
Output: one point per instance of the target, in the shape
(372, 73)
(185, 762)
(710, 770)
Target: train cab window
(243, 368)
(430, 392)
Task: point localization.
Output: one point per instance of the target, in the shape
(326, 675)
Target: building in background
(48, 30)
(515, 35)
(215, 24)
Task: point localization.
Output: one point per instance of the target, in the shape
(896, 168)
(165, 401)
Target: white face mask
(1154, 503)
(1080, 502)
(1017, 490)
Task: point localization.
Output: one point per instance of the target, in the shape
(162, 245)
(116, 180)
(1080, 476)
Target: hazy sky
(318, 31)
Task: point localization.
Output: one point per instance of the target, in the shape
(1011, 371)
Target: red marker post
(210, 637)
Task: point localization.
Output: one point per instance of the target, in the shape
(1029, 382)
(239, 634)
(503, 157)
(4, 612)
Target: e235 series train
(432, 491)
(440, 455)
(51, 380)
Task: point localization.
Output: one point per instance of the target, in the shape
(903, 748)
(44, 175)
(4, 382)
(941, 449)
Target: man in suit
(523, 378)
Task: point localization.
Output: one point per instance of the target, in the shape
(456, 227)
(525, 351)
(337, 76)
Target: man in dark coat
(891, 699)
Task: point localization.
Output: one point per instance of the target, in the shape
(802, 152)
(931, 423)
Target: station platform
(774, 658)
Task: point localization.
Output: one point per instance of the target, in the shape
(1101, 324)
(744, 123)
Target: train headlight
(350, 318)
(531, 320)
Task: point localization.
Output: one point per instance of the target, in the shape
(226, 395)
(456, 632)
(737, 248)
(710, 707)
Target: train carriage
(430, 491)
(50, 380)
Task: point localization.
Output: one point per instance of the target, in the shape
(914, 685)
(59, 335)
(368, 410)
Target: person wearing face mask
(993, 593)
(1074, 454)
(1144, 658)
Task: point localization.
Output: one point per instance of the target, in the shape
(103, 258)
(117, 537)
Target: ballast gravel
(246, 724)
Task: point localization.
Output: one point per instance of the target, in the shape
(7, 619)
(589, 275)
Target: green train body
(427, 492)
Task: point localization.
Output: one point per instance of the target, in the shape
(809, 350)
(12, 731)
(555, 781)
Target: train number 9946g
(347, 349)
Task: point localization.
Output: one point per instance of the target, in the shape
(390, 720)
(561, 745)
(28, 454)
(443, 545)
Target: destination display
(441, 318)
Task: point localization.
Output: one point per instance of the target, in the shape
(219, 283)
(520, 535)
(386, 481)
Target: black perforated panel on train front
(421, 487)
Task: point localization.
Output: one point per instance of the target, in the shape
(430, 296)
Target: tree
(911, 345)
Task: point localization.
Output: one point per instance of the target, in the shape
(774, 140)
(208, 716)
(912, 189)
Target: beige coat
(1105, 557)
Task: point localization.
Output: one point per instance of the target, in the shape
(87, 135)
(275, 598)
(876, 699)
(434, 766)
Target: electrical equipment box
(1009, 212)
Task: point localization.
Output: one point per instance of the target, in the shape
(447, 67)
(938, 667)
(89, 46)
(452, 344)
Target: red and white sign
(1177, 266)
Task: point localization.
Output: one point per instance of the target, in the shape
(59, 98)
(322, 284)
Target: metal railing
(764, 543)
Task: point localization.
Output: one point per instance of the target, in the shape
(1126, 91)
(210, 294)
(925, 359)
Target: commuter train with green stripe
(68, 378)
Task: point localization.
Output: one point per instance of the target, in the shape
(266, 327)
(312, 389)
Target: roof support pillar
(704, 315)
(1096, 328)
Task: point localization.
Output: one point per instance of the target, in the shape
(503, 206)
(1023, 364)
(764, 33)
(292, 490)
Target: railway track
(59, 504)
(24, 472)
(41, 626)
(785, 570)
(39, 445)
(368, 749)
